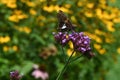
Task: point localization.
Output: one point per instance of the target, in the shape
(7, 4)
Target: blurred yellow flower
(106, 15)
(109, 25)
(49, 8)
(108, 40)
(88, 14)
(27, 30)
(98, 39)
(94, 37)
(90, 5)
(116, 20)
(7, 39)
(17, 15)
(9, 3)
(32, 12)
(42, 0)
(102, 1)
(99, 13)
(118, 50)
(73, 19)
(67, 5)
(15, 48)
(52, 8)
(5, 48)
(70, 44)
(80, 3)
(13, 18)
(97, 31)
(4, 39)
(97, 46)
(41, 17)
(30, 4)
(102, 51)
(69, 52)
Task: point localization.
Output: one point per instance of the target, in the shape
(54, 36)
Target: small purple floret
(14, 75)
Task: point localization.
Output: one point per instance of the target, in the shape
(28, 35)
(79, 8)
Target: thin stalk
(76, 58)
(65, 66)
(63, 53)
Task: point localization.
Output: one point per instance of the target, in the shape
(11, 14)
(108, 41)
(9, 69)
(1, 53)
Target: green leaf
(27, 67)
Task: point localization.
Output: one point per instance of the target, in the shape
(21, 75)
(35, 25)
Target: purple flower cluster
(81, 42)
(61, 38)
(14, 75)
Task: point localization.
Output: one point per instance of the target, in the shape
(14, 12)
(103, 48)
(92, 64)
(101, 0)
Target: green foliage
(26, 38)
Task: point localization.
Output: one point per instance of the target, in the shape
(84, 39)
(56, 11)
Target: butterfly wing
(64, 22)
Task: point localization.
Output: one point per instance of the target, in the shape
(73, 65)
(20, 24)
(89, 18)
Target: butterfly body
(64, 22)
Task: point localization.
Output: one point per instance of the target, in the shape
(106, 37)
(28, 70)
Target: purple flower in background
(61, 38)
(14, 75)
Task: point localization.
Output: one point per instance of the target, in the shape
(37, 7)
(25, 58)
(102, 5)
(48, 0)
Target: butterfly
(64, 22)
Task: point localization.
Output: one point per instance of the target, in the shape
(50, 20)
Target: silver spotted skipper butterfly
(64, 22)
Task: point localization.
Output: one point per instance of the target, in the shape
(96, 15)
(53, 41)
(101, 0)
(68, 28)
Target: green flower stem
(65, 66)
(63, 53)
(75, 59)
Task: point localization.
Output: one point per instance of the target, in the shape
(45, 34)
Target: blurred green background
(26, 38)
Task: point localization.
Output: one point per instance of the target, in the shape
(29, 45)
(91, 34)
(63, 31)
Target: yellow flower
(66, 10)
(17, 15)
(15, 48)
(97, 46)
(116, 20)
(42, 0)
(88, 14)
(52, 8)
(48, 8)
(70, 44)
(94, 37)
(7, 39)
(99, 32)
(73, 19)
(69, 52)
(106, 15)
(22, 16)
(30, 4)
(99, 13)
(97, 39)
(79, 4)
(5, 48)
(1, 39)
(102, 1)
(9, 3)
(41, 17)
(32, 12)
(13, 18)
(67, 5)
(23, 29)
(90, 5)
(109, 25)
(27, 30)
(102, 51)
(108, 40)
(118, 50)
(4, 39)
